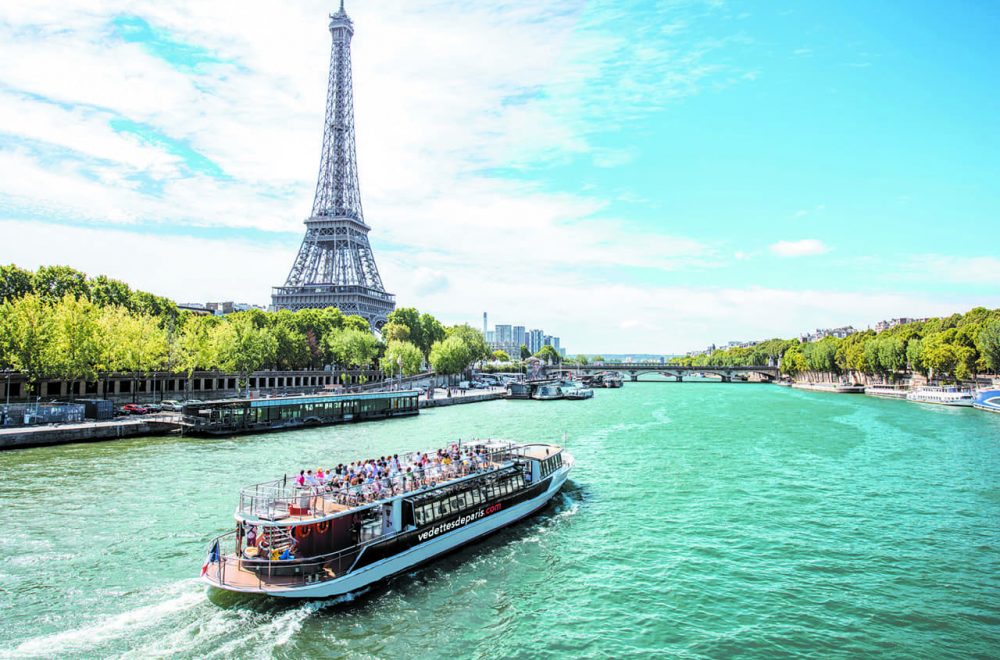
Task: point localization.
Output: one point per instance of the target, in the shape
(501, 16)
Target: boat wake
(184, 623)
(182, 596)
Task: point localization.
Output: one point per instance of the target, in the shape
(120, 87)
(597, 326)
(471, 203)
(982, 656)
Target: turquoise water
(702, 520)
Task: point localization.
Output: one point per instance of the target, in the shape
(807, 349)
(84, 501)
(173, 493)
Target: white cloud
(983, 270)
(805, 247)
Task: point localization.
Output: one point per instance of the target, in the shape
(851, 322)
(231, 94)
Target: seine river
(702, 520)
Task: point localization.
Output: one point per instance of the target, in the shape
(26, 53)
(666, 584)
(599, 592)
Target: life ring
(303, 531)
(262, 541)
(322, 527)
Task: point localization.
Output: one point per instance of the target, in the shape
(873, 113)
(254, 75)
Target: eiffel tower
(335, 266)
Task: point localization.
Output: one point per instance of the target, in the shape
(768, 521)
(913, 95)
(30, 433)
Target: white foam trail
(100, 632)
(280, 630)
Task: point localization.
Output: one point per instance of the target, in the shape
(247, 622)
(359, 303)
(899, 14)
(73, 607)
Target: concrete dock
(59, 434)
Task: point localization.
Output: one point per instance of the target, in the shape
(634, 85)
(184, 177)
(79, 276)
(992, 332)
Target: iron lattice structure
(335, 266)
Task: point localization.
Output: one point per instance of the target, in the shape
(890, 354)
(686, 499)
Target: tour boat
(944, 396)
(321, 540)
(987, 399)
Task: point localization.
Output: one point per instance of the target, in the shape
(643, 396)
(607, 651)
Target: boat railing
(230, 569)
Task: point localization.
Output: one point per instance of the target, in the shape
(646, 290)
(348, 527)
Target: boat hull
(417, 555)
(988, 400)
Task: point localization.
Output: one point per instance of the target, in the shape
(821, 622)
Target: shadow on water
(420, 577)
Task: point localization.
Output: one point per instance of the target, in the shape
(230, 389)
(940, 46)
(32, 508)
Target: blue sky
(648, 176)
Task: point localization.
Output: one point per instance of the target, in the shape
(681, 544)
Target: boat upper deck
(309, 496)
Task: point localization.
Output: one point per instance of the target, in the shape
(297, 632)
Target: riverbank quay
(167, 423)
(835, 388)
(441, 397)
(61, 434)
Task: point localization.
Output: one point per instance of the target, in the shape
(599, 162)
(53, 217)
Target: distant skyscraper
(535, 340)
(518, 336)
(484, 323)
(504, 334)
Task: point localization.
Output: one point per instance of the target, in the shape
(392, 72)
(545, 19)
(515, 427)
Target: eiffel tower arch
(335, 266)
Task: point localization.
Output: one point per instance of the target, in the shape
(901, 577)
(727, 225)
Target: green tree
(409, 318)
(352, 347)
(74, 347)
(793, 361)
(473, 340)
(106, 292)
(549, 355)
(915, 356)
(25, 332)
(14, 282)
(291, 347)
(109, 345)
(525, 353)
(242, 347)
(891, 354)
(501, 356)
(395, 332)
(196, 348)
(988, 343)
(451, 356)
(141, 346)
(431, 331)
(355, 322)
(939, 353)
(51, 283)
(402, 357)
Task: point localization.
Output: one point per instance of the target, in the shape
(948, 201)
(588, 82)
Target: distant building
(518, 333)
(535, 340)
(197, 309)
(505, 334)
(892, 323)
(230, 307)
(822, 333)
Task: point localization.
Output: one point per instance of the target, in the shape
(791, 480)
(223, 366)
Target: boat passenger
(301, 479)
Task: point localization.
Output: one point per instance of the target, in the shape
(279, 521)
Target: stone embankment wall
(35, 436)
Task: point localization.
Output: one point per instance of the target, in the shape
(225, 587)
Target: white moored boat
(335, 538)
(577, 393)
(988, 399)
(943, 396)
(548, 393)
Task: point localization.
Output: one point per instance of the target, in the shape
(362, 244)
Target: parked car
(171, 404)
(134, 409)
(153, 407)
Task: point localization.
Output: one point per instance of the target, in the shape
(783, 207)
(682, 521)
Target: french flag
(212, 558)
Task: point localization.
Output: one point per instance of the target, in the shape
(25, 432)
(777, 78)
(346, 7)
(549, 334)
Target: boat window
(443, 508)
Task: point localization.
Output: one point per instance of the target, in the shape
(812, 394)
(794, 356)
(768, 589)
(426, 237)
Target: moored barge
(337, 534)
(231, 416)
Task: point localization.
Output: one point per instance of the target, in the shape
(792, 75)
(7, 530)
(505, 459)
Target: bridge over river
(633, 370)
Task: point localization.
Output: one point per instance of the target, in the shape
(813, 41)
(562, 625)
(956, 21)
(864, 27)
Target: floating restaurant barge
(231, 416)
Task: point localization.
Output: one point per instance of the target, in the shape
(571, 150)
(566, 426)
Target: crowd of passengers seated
(375, 478)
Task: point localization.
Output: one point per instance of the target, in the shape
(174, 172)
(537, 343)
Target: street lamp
(6, 407)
